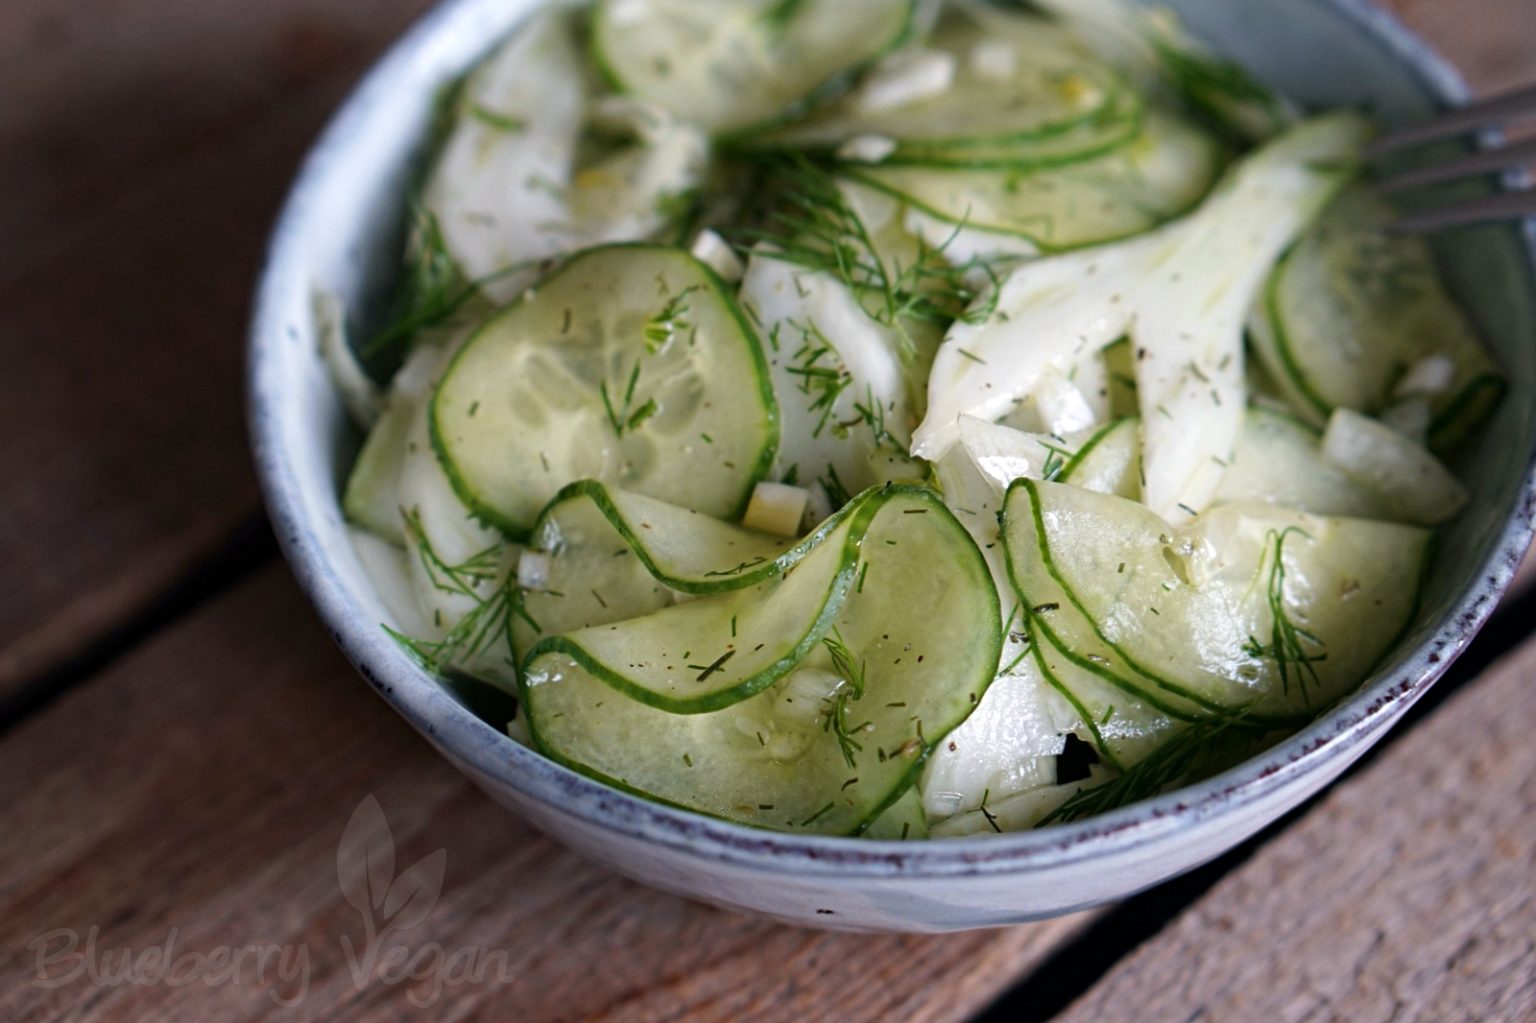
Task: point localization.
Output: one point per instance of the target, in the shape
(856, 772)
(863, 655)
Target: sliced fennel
(1410, 482)
(837, 376)
(520, 178)
(1181, 293)
(1101, 458)
(359, 392)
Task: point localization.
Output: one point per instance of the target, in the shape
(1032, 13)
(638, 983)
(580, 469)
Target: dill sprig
(465, 577)
(852, 671)
(1288, 642)
(487, 624)
(435, 287)
(811, 224)
(1164, 766)
(837, 492)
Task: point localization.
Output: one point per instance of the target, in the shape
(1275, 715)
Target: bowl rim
(466, 739)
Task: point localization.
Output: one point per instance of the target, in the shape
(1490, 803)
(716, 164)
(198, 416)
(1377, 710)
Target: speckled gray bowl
(340, 231)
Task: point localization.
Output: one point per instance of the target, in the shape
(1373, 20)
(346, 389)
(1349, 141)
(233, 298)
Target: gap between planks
(1408, 893)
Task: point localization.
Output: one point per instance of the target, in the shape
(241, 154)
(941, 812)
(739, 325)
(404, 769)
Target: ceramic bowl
(341, 231)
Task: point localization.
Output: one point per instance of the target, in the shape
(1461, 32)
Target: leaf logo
(365, 868)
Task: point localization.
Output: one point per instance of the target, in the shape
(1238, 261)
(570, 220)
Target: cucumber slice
(1104, 133)
(608, 555)
(837, 375)
(904, 821)
(729, 64)
(1279, 460)
(1028, 94)
(1109, 462)
(802, 746)
(631, 364)
(1353, 309)
(1160, 175)
(1017, 812)
(1124, 728)
(1250, 609)
(1052, 618)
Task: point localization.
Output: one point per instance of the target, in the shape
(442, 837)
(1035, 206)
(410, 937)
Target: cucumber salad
(898, 418)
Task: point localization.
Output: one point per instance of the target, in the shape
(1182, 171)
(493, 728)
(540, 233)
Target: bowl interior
(342, 230)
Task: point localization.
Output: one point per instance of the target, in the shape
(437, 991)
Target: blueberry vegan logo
(389, 904)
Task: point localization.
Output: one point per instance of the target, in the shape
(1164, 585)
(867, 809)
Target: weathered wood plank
(1408, 894)
(140, 179)
(1492, 41)
(202, 785)
(117, 97)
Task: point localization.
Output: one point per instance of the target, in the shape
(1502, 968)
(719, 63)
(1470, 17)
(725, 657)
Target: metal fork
(1468, 120)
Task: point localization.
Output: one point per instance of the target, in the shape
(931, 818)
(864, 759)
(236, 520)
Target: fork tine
(1462, 120)
(1501, 206)
(1488, 161)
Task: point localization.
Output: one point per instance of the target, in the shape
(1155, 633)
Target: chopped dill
(1288, 642)
(823, 381)
(671, 321)
(717, 664)
(837, 715)
(781, 13)
(988, 814)
(1055, 463)
(836, 492)
(818, 815)
(625, 416)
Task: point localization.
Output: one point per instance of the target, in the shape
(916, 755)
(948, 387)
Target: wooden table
(181, 747)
